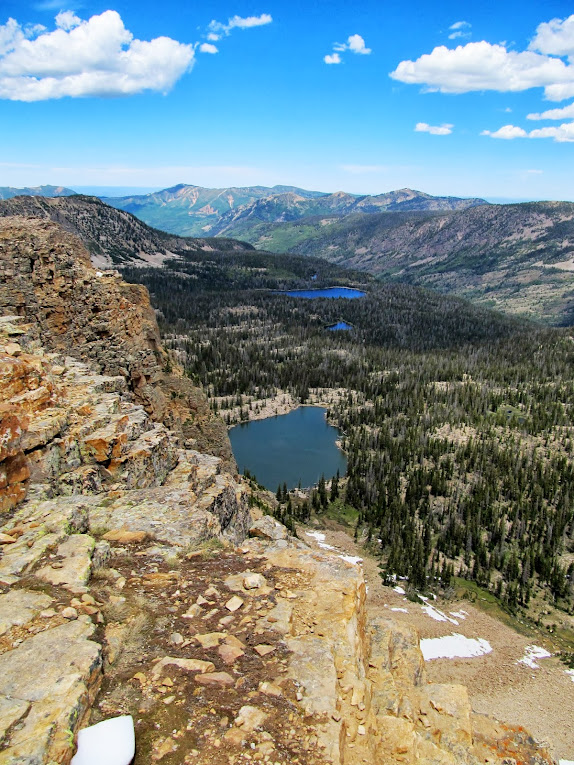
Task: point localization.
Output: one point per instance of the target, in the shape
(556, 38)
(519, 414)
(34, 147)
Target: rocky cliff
(128, 584)
(46, 278)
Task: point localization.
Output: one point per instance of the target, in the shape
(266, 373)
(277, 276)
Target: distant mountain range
(8, 192)
(114, 237)
(197, 211)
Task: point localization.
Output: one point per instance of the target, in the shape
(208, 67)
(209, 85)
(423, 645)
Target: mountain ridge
(195, 210)
(114, 237)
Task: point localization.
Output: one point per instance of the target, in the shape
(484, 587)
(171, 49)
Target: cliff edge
(135, 581)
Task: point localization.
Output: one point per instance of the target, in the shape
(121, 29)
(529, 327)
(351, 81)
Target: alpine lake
(295, 448)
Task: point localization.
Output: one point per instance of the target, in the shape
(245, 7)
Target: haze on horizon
(328, 97)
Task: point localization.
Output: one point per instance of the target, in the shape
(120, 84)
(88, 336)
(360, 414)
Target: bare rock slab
(19, 607)
(74, 571)
(57, 674)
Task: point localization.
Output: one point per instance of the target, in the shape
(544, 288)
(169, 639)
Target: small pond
(330, 292)
(295, 448)
(340, 326)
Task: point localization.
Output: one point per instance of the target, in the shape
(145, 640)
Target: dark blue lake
(291, 448)
(339, 326)
(330, 292)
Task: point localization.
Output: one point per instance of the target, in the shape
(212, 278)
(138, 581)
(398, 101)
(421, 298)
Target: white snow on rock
(437, 615)
(319, 537)
(531, 654)
(454, 646)
(111, 742)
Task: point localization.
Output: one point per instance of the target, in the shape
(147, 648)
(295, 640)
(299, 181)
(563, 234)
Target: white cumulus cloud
(481, 65)
(423, 127)
(506, 132)
(217, 29)
(554, 114)
(208, 48)
(555, 38)
(67, 20)
(355, 44)
(561, 133)
(97, 57)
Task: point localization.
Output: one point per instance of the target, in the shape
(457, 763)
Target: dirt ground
(541, 700)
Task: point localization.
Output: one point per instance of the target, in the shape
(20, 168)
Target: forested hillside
(457, 421)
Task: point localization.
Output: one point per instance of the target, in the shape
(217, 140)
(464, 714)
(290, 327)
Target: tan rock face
(47, 278)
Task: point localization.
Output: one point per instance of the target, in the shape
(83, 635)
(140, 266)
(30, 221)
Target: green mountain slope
(518, 258)
(195, 211)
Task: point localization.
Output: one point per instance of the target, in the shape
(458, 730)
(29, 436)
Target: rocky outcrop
(47, 279)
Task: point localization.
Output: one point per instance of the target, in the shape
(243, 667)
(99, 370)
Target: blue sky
(362, 97)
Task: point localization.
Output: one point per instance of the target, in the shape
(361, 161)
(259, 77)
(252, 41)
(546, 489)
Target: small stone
(7, 539)
(361, 730)
(270, 689)
(167, 681)
(229, 653)
(234, 603)
(193, 611)
(189, 665)
(201, 601)
(215, 678)
(48, 613)
(69, 613)
(123, 536)
(88, 599)
(233, 641)
(13, 349)
(210, 640)
(169, 700)
(176, 638)
(254, 581)
(162, 748)
(264, 649)
(250, 718)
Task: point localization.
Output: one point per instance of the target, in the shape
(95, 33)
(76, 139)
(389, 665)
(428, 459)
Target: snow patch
(111, 742)
(454, 646)
(571, 673)
(402, 610)
(399, 589)
(437, 615)
(459, 614)
(531, 654)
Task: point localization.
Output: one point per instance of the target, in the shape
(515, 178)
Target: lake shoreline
(282, 403)
(296, 451)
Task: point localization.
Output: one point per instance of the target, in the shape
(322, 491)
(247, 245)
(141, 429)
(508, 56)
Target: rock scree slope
(134, 579)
